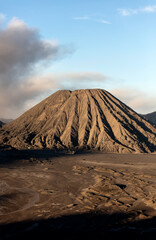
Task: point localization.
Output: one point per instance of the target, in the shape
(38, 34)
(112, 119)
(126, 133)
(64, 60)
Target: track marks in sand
(118, 189)
(72, 185)
(14, 200)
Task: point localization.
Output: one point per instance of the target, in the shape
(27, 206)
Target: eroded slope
(82, 119)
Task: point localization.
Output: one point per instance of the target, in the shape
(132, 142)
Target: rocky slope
(82, 119)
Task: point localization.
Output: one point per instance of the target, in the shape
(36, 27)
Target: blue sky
(114, 42)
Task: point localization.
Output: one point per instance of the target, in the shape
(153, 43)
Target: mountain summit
(81, 119)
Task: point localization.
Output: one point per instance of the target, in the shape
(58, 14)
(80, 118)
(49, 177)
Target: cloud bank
(37, 87)
(22, 53)
(138, 100)
(21, 49)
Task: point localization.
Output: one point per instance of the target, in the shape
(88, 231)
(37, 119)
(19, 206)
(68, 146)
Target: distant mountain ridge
(83, 119)
(1, 123)
(5, 120)
(151, 117)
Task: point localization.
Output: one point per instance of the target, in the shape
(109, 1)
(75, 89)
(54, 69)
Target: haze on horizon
(48, 45)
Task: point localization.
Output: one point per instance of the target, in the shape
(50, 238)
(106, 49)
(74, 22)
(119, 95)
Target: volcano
(81, 119)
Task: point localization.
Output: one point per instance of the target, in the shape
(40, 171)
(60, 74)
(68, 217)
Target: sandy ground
(89, 195)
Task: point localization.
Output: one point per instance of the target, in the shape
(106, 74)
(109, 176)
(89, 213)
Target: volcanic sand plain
(89, 193)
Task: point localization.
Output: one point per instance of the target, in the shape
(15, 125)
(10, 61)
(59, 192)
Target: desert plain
(80, 196)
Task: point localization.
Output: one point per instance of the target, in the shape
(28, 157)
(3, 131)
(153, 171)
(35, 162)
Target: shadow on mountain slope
(13, 155)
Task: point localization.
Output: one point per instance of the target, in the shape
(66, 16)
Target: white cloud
(103, 21)
(148, 9)
(129, 12)
(16, 23)
(92, 19)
